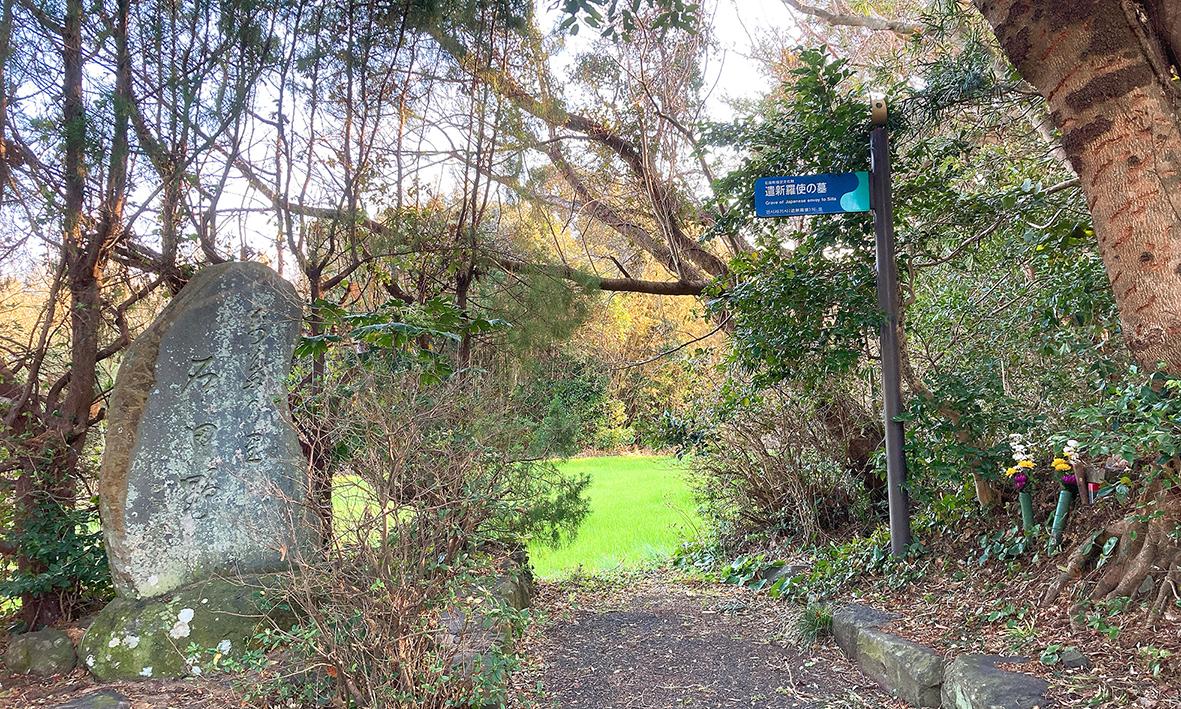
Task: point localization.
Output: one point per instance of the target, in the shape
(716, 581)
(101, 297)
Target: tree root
(1168, 590)
(1146, 545)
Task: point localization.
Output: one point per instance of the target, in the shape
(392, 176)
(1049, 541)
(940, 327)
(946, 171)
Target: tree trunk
(316, 435)
(860, 435)
(5, 39)
(1105, 75)
(48, 478)
(1105, 69)
(49, 481)
(1165, 17)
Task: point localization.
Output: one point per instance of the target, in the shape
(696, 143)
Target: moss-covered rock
(975, 682)
(44, 653)
(139, 639)
(474, 633)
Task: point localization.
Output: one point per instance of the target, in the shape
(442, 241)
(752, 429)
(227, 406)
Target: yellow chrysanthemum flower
(1010, 472)
(1060, 465)
(1025, 464)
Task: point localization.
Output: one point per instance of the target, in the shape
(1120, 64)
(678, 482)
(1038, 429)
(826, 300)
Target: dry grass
(429, 489)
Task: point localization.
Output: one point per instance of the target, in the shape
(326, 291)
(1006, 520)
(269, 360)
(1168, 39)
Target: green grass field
(640, 510)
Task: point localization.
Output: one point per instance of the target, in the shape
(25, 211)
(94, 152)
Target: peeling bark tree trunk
(1105, 69)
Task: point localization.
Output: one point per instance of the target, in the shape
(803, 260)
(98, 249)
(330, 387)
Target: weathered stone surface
(909, 671)
(975, 682)
(102, 699)
(1072, 659)
(769, 575)
(849, 620)
(202, 471)
(516, 588)
(471, 633)
(140, 639)
(44, 652)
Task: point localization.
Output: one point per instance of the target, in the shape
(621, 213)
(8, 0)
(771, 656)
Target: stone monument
(202, 475)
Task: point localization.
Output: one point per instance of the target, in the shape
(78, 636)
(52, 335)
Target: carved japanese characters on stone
(202, 472)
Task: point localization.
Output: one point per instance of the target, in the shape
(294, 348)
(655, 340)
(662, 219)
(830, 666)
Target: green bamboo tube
(1060, 511)
(1026, 500)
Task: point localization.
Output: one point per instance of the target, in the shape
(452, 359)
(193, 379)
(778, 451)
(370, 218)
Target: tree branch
(606, 214)
(662, 195)
(902, 28)
(673, 350)
(631, 285)
(626, 285)
(984, 233)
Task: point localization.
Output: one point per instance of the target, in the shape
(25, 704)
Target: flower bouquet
(1064, 468)
(1019, 473)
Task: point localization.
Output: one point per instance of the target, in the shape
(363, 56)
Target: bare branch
(662, 195)
(673, 350)
(626, 285)
(902, 28)
(631, 285)
(604, 213)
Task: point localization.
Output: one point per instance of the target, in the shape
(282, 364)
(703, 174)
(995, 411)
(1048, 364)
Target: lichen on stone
(228, 621)
(202, 472)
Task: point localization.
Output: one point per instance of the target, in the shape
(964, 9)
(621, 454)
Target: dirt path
(657, 642)
(642, 642)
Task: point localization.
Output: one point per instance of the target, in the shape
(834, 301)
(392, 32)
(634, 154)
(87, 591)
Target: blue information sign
(793, 195)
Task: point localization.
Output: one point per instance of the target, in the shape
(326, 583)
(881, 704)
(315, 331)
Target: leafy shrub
(1137, 419)
(396, 333)
(614, 438)
(837, 566)
(815, 622)
(64, 554)
(703, 555)
(563, 403)
(613, 433)
(750, 570)
(1006, 545)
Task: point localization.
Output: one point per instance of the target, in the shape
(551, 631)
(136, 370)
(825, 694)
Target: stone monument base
(179, 634)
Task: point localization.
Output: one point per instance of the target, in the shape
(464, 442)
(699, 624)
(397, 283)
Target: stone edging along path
(921, 677)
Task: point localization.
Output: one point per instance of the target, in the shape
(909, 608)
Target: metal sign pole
(887, 283)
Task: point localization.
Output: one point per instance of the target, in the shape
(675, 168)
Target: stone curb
(921, 677)
(972, 681)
